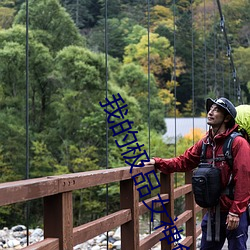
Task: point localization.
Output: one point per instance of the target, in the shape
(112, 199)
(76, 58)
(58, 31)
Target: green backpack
(243, 120)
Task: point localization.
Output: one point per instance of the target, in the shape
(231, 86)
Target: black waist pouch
(206, 183)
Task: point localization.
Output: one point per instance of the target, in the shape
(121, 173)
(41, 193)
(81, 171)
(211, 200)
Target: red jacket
(241, 167)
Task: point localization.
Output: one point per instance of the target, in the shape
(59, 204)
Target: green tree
(161, 16)
(12, 113)
(6, 17)
(79, 72)
(13, 60)
(53, 25)
(136, 83)
(241, 56)
(117, 31)
(42, 163)
(161, 57)
(132, 9)
(13, 148)
(84, 13)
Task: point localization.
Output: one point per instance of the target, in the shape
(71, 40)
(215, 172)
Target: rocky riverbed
(16, 238)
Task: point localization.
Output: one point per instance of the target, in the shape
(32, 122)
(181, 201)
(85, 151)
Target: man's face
(215, 116)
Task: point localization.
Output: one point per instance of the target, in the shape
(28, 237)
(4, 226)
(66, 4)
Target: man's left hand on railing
(151, 162)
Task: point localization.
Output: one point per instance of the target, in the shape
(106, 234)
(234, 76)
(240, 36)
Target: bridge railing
(56, 192)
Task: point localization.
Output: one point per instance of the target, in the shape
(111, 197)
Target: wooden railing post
(129, 198)
(190, 205)
(58, 219)
(167, 187)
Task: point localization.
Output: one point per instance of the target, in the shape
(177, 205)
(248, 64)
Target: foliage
(143, 87)
(158, 59)
(53, 25)
(6, 17)
(84, 13)
(13, 149)
(242, 63)
(161, 16)
(160, 53)
(118, 31)
(42, 163)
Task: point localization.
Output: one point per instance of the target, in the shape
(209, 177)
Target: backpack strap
(227, 148)
(217, 207)
(203, 152)
(227, 151)
(203, 155)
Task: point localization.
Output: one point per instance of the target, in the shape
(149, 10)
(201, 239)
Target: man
(221, 115)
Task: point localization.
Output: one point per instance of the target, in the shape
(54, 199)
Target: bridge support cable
(106, 83)
(237, 87)
(27, 204)
(149, 121)
(205, 48)
(192, 71)
(221, 66)
(175, 86)
(215, 51)
(174, 79)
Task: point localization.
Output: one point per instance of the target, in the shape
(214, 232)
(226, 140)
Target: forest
(163, 57)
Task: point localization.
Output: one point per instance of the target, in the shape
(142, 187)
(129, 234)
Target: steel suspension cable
(205, 49)
(222, 68)
(149, 121)
(174, 73)
(192, 77)
(27, 207)
(229, 54)
(229, 84)
(106, 83)
(148, 27)
(175, 87)
(215, 52)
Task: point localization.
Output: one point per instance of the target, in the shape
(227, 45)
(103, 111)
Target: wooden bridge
(56, 192)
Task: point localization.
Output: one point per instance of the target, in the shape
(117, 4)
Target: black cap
(223, 103)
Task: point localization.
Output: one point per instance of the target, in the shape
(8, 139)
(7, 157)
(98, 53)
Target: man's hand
(232, 221)
(151, 162)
